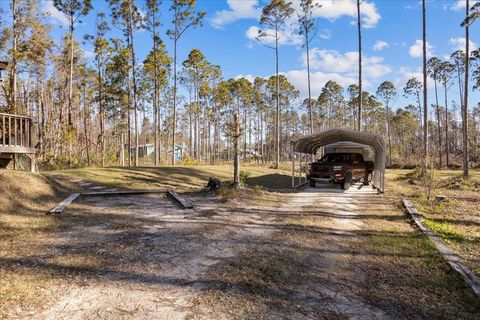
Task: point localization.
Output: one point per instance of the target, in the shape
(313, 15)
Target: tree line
(97, 112)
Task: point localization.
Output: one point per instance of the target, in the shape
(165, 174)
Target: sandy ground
(141, 257)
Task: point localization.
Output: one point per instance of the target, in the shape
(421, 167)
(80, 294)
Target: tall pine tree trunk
(13, 67)
(310, 111)
(425, 97)
(465, 103)
(86, 120)
(437, 109)
(360, 98)
(155, 91)
(277, 101)
(236, 152)
(174, 124)
(134, 80)
(447, 144)
(101, 117)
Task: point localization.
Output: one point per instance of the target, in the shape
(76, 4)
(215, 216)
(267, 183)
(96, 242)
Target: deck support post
(33, 163)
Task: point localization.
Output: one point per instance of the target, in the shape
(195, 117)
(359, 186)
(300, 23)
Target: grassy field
(456, 220)
(178, 177)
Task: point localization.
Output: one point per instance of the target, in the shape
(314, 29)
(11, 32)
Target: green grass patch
(445, 231)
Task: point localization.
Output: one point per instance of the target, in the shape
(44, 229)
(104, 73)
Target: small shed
(336, 139)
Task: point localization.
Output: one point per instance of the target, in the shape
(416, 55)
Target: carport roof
(311, 143)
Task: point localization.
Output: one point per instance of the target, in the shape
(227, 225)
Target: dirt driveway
(274, 256)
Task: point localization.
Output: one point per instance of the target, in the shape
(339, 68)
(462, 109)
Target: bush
(228, 192)
(460, 183)
(244, 175)
(188, 161)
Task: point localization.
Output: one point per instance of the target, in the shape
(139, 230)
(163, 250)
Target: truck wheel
(345, 183)
(312, 183)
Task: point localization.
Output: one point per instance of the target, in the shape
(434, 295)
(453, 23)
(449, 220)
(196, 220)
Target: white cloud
(459, 44)
(46, 6)
(318, 79)
(406, 73)
(252, 32)
(416, 50)
(330, 9)
(249, 77)
(334, 62)
(286, 36)
(459, 5)
(89, 55)
(326, 34)
(380, 45)
(238, 9)
(328, 65)
(334, 9)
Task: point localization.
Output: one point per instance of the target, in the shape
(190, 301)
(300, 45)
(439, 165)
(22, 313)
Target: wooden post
(9, 130)
(15, 131)
(21, 131)
(4, 132)
(32, 163)
(293, 169)
(30, 133)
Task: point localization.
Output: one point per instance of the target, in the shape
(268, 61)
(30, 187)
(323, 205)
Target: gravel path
(143, 258)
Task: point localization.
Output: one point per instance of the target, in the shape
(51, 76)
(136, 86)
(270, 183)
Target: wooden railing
(15, 134)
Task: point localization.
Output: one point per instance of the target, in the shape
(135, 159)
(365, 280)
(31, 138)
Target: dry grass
(387, 263)
(404, 274)
(24, 229)
(179, 177)
(456, 220)
(27, 233)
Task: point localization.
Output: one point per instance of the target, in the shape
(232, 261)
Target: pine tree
(184, 18)
(274, 16)
(387, 91)
(307, 26)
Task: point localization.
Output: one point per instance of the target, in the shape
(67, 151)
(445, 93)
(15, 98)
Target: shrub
(244, 175)
(228, 192)
(257, 189)
(188, 161)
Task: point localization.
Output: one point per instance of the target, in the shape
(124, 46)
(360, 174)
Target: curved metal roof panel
(311, 143)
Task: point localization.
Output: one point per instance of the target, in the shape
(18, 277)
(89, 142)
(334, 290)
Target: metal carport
(309, 145)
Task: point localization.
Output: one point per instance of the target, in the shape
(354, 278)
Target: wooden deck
(15, 134)
(16, 138)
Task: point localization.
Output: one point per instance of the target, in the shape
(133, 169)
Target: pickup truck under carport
(343, 168)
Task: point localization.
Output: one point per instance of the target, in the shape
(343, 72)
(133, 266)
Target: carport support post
(306, 165)
(300, 169)
(293, 169)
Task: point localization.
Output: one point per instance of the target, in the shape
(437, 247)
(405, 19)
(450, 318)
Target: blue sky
(392, 29)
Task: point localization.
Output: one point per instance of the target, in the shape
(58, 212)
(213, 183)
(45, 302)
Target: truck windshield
(335, 157)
